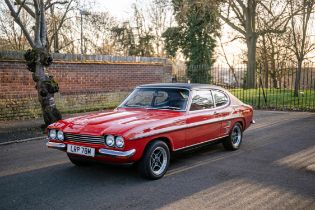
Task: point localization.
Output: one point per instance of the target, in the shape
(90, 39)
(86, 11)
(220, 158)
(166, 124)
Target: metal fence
(274, 88)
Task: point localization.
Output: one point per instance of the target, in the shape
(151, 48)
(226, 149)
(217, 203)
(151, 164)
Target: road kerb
(22, 140)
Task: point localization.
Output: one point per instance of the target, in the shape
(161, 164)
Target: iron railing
(274, 87)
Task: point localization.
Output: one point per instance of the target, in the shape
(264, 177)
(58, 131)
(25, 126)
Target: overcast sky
(122, 9)
(118, 8)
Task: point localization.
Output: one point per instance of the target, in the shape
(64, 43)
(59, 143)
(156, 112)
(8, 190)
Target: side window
(220, 98)
(202, 99)
(160, 98)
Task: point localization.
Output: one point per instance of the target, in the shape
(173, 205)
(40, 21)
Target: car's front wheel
(155, 160)
(234, 140)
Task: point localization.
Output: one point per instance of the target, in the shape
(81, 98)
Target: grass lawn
(277, 99)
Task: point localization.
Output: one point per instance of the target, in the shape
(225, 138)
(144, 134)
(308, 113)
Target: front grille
(84, 138)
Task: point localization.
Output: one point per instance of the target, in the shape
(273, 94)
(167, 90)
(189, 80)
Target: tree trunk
(251, 41)
(37, 60)
(266, 75)
(56, 42)
(274, 73)
(274, 81)
(235, 77)
(49, 110)
(297, 78)
(265, 61)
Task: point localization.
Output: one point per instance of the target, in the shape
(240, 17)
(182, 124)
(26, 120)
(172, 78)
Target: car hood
(118, 122)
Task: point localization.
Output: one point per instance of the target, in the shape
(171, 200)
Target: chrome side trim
(185, 126)
(117, 154)
(56, 145)
(201, 143)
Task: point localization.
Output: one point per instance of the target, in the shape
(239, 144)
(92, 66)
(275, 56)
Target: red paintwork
(140, 126)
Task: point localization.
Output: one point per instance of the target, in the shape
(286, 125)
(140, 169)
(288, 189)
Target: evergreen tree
(197, 27)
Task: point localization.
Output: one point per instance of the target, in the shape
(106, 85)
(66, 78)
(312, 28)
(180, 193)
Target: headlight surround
(110, 140)
(53, 134)
(60, 135)
(119, 141)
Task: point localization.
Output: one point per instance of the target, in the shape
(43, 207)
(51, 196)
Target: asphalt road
(274, 169)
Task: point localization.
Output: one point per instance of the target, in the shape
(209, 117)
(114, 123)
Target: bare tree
(124, 39)
(134, 37)
(245, 17)
(12, 37)
(38, 58)
(160, 13)
(230, 65)
(302, 44)
(56, 20)
(274, 54)
(143, 32)
(60, 27)
(98, 35)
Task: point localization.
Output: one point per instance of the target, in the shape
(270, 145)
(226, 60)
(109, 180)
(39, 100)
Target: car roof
(189, 86)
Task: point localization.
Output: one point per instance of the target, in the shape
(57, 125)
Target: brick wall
(84, 86)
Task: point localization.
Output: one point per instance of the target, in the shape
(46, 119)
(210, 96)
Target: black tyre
(234, 140)
(78, 161)
(155, 160)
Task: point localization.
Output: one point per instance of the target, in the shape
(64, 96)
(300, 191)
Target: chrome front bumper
(117, 154)
(56, 145)
(107, 152)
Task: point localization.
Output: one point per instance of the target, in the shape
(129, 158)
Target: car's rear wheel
(155, 160)
(234, 140)
(78, 161)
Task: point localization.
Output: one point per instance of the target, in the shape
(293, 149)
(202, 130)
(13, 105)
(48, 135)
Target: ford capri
(153, 122)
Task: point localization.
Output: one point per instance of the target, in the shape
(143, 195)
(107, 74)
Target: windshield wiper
(133, 105)
(166, 107)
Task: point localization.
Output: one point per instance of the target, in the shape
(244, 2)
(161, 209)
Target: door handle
(216, 114)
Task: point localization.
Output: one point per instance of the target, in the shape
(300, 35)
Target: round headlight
(52, 134)
(60, 135)
(110, 140)
(119, 141)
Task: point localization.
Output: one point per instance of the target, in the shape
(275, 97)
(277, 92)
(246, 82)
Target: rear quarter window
(220, 98)
(202, 99)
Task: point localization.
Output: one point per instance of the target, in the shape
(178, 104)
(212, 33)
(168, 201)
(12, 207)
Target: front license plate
(79, 150)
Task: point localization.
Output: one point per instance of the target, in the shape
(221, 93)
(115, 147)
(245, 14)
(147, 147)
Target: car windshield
(157, 98)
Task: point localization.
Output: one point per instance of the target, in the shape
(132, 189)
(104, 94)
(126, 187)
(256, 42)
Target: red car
(154, 121)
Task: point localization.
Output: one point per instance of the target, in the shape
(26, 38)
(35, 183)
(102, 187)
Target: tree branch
(43, 27)
(227, 62)
(66, 45)
(266, 8)
(19, 22)
(37, 24)
(270, 30)
(232, 25)
(238, 13)
(53, 3)
(27, 8)
(241, 4)
(61, 22)
(19, 10)
(7, 33)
